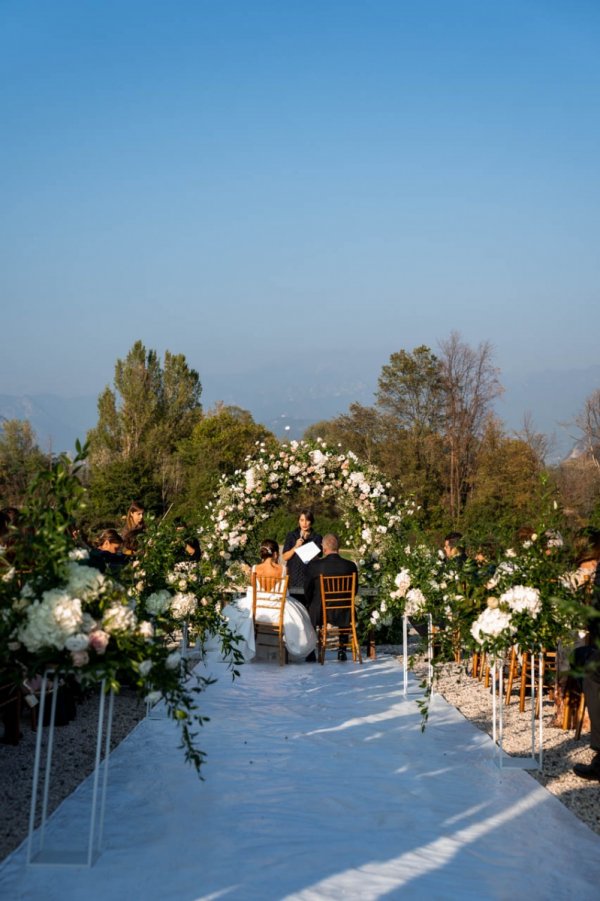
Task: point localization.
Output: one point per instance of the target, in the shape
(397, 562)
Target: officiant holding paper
(299, 548)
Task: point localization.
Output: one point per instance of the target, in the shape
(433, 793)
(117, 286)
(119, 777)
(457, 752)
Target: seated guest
(134, 518)
(591, 688)
(454, 548)
(193, 551)
(331, 564)
(130, 545)
(107, 553)
(300, 637)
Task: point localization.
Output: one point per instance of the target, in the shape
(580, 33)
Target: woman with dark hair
(193, 551)
(303, 534)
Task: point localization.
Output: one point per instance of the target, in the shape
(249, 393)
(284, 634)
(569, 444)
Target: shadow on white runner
(319, 784)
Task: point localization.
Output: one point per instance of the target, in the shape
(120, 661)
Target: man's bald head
(331, 543)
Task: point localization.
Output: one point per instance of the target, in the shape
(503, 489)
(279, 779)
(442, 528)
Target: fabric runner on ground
(319, 784)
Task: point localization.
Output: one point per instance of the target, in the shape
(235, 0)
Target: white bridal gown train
(299, 635)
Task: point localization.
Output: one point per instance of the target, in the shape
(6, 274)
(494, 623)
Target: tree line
(431, 431)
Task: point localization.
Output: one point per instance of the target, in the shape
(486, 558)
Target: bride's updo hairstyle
(269, 549)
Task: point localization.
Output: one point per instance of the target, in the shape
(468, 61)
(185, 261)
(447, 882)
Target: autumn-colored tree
(361, 430)
(470, 384)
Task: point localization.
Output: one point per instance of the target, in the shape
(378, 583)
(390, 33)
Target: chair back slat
(269, 595)
(338, 597)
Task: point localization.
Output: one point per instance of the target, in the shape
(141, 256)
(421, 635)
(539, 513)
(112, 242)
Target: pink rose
(98, 641)
(80, 658)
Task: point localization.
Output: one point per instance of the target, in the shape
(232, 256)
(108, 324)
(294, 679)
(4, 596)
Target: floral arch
(246, 500)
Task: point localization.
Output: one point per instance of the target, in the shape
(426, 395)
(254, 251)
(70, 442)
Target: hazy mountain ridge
(288, 399)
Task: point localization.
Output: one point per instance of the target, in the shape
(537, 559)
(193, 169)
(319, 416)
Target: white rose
(77, 642)
(145, 667)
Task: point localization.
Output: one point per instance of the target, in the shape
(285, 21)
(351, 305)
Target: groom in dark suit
(330, 564)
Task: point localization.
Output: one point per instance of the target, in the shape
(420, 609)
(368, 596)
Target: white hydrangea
(173, 660)
(79, 553)
(78, 642)
(183, 606)
(51, 621)
(522, 599)
(146, 629)
(402, 582)
(158, 602)
(84, 582)
(491, 623)
(119, 619)
(145, 667)
(416, 602)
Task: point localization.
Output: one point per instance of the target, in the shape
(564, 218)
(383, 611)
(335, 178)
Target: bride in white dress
(299, 634)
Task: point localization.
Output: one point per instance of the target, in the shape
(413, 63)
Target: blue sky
(241, 180)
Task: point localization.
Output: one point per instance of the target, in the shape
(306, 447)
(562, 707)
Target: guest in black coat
(107, 556)
(331, 564)
(591, 687)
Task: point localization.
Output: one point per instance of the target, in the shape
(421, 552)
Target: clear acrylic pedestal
(405, 655)
(535, 760)
(69, 857)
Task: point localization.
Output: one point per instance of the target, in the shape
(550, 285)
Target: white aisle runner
(319, 784)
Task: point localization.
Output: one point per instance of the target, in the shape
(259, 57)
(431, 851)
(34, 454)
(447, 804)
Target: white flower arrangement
(416, 602)
(119, 618)
(183, 606)
(247, 499)
(51, 621)
(402, 582)
(491, 624)
(158, 602)
(522, 599)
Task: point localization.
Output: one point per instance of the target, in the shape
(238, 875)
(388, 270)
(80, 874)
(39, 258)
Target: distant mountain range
(288, 400)
(57, 421)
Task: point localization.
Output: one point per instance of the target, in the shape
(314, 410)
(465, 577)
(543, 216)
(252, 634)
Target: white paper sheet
(308, 551)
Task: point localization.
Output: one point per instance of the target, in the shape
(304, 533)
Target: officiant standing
(301, 537)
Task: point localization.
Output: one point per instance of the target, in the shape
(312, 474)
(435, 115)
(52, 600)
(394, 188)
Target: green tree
(411, 391)
(360, 430)
(218, 445)
(507, 484)
(20, 460)
(140, 426)
(411, 395)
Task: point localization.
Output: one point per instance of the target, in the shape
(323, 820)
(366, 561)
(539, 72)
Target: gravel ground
(73, 759)
(75, 748)
(560, 750)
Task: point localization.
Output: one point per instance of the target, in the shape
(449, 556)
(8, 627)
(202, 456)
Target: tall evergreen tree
(140, 425)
